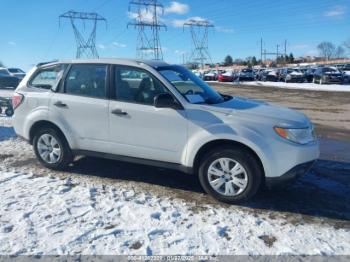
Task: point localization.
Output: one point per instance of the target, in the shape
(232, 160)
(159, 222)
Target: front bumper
(290, 176)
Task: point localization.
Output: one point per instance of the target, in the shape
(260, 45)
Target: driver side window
(136, 86)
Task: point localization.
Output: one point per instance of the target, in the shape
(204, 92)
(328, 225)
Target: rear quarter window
(47, 78)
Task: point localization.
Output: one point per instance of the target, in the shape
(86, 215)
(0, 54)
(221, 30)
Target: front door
(137, 128)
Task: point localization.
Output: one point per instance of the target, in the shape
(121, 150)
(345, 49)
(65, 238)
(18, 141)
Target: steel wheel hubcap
(49, 149)
(227, 177)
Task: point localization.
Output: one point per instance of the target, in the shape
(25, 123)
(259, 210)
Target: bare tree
(326, 49)
(340, 52)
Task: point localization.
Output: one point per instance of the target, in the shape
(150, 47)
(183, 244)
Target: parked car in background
(227, 76)
(339, 66)
(19, 73)
(246, 74)
(211, 75)
(198, 73)
(258, 74)
(293, 75)
(327, 75)
(269, 75)
(172, 119)
(309, 74)
(6, 106)
(7, 80)
(346, 73)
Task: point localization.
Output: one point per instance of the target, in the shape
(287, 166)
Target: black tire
(66, 154)
(0, 110)
(9, 112)
(249, 163)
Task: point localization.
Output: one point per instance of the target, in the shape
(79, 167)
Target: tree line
(328, 50)
(253, 61)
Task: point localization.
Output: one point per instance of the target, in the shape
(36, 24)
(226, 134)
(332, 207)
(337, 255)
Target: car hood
(280, 116)
(296, 73)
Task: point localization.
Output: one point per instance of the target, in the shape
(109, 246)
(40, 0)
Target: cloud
(336, 12)
(111, 46)
(101, 46)
(116, 44)
(180, 52)
(145, 15)
(176, 8)
(223, 29)
(12, 43)
(181, 22)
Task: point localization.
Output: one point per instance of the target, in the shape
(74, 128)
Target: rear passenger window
(87, 80)
(48, 78)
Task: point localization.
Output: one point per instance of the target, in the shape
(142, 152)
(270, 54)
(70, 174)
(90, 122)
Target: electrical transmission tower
(199, 32)
(86, 45)
(145, 19)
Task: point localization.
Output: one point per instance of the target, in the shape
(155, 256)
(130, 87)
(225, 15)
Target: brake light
(17, 100)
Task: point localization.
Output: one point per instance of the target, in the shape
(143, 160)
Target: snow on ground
(305, 86)
(49, 212)
(48, 215)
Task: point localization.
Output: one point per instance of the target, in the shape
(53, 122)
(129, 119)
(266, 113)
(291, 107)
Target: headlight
(297, 135)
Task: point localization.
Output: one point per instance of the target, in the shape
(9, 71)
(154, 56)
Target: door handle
(119, 111)
(60, 104)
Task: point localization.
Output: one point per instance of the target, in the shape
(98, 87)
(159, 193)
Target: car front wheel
(230, 175)
(52, 149)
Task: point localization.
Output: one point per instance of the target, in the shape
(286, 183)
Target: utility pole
(261, 50)
(285, 51)
(285, 47)
(277, 53)
(199, 33)
(86, 46)
(147, 23)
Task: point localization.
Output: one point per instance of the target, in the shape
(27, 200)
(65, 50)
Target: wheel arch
(44, 124)
(219, 143)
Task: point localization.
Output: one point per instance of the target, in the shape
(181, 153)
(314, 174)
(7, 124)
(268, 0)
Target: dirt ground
(329, 111)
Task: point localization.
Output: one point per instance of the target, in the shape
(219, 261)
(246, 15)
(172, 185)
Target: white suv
(158, 114)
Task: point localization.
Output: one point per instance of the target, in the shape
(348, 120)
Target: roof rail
(45, 63)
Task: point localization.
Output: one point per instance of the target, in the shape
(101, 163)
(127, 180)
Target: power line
(146, 21)
(199, 33)
(86, 47)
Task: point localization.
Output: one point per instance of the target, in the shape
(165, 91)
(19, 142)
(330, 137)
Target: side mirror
(166, 100)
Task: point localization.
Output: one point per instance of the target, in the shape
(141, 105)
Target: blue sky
(30, 32)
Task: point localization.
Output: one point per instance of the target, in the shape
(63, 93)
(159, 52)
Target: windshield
(330, 70)
(190, 86)
(4, 72)
(15, 70)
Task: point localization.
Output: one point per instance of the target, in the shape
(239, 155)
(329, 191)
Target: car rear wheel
(52, 149)
(230, 175)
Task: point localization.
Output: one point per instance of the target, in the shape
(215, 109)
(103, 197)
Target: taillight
(17, 100)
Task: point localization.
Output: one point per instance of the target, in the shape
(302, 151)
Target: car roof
(130, 62)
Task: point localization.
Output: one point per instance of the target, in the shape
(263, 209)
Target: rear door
(81, 106)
